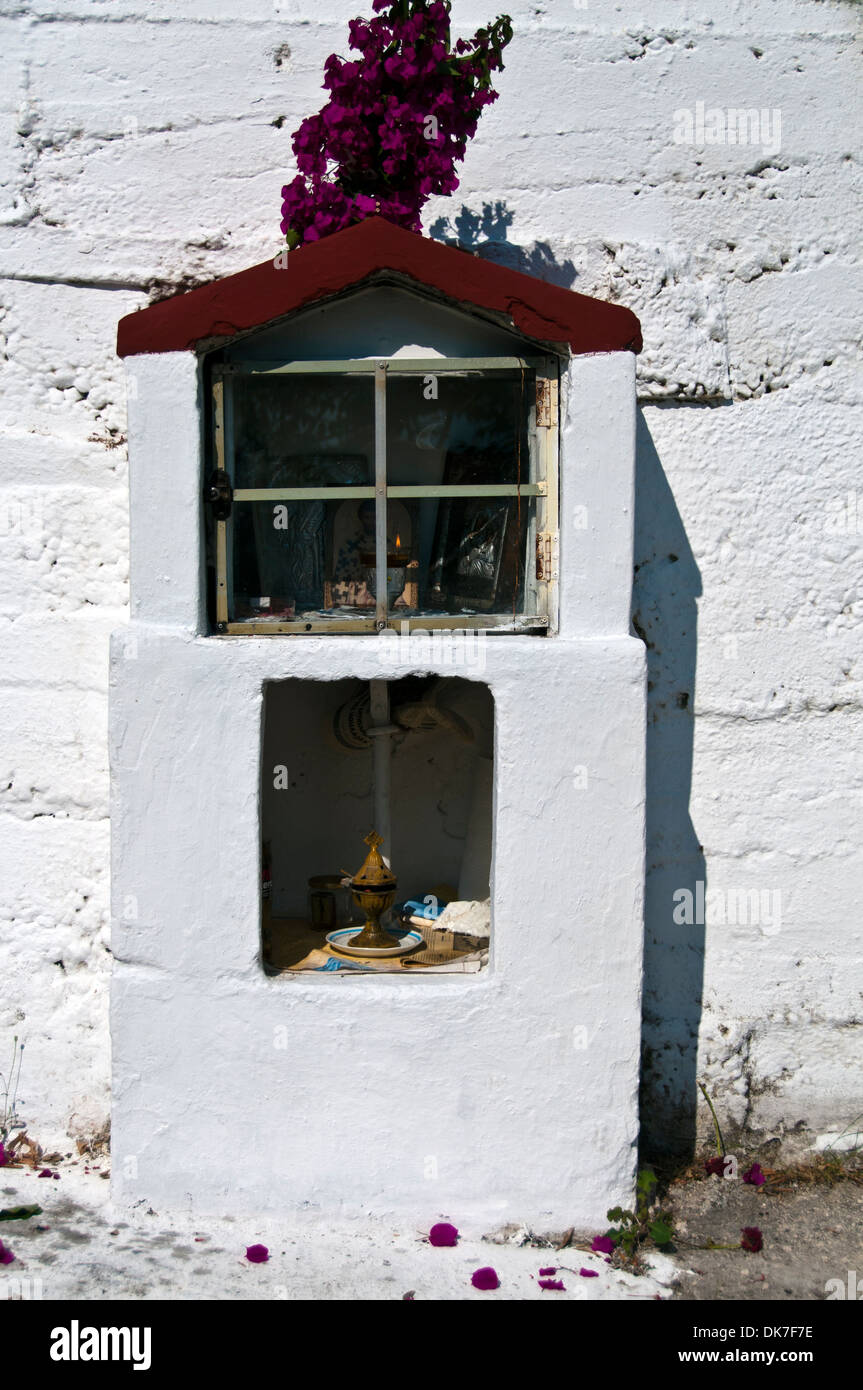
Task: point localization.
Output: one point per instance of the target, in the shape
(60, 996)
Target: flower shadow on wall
(486, 233)
(666, 586)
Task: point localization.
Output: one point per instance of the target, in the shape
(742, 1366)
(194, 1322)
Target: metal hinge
(544, 553)
(219, 493)
(546, 402)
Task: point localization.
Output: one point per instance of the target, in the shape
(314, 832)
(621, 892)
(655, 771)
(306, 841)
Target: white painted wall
(141, 145)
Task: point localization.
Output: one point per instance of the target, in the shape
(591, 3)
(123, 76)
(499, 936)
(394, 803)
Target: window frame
(542, 484)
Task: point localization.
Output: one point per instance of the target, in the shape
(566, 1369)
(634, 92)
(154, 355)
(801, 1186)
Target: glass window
(360, 495)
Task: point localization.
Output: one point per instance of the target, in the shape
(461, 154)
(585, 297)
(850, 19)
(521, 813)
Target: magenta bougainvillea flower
(556, 1284)
(397, 122)
(4, 1159)
(753, 1240)
(755, 1175)
(48, 1173)
(443, 1234)
(485, 1278)
(589, 1273)
(602, 1245)
(715, 1166)
(6, 1256)
(550, 1269)
(257, 1254)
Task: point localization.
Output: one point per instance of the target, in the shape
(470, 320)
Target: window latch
(219, 493)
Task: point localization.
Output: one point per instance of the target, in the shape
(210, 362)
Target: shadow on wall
(667, 584)
(486, 234)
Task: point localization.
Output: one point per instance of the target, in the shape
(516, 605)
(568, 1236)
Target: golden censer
(373, 890)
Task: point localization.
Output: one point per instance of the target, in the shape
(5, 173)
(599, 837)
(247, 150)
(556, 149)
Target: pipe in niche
(381, 732)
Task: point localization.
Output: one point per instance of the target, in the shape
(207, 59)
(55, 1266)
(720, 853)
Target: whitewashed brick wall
(144, 146)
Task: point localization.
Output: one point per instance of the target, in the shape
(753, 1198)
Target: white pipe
(382, 731)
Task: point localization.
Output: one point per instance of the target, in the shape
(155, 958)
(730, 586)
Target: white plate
(403, 941)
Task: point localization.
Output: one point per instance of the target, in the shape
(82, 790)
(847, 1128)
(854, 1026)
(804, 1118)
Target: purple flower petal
(556, 1284)
(46, 1173)
(443, 1234)
(485, 1278)
(589, 1273)
(6, 1256)
(257, 1254)
(715, 1166)
(752, 1241)
(755, 1175)
(3, 1156)
(602, 1245)
(550, 1269)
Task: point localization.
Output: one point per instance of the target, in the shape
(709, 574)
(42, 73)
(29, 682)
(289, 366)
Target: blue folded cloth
(428, 911)
(334, 964)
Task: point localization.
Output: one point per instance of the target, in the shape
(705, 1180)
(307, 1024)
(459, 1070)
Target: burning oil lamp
(397, 559)
(374, 890)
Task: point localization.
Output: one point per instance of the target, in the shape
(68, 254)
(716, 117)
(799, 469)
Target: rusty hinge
(219, 493)
(543, 554)
(546, 402)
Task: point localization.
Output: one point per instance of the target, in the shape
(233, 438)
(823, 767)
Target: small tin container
(328, 902)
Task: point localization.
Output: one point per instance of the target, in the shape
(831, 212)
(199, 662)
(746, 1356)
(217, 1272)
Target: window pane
(476, 564)
(304, 559)
(307, 559)
(303, 431)
(279, 556)
(301, 559)
(465, 429)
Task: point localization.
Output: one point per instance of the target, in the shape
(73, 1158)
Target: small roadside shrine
(377, 742)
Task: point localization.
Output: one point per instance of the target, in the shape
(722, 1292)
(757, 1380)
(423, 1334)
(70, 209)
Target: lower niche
(345, 764)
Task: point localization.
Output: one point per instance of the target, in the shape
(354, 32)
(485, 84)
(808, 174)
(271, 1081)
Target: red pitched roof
(259, 296)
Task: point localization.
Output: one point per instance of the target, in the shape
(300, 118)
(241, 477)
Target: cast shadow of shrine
(667, 584)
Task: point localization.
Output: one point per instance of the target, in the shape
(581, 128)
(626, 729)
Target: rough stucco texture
(144, 147)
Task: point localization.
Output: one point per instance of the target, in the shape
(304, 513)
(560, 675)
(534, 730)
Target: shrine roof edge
(260, 296)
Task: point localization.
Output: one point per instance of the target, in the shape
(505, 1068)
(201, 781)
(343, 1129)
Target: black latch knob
(219, 493)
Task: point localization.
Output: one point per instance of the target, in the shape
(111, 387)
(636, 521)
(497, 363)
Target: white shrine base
(505, 1096)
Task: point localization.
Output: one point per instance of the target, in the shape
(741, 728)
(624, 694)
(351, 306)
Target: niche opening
(410, 761)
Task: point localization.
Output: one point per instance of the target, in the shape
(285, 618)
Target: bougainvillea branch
(397, 122)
